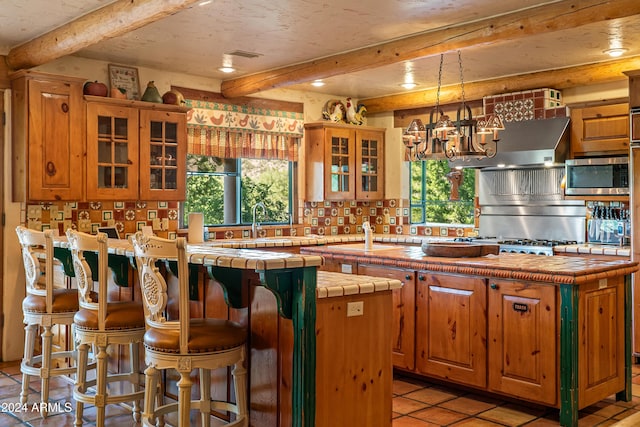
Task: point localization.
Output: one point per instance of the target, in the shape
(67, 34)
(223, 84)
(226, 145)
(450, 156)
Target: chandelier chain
(461, 77)
(439, 82)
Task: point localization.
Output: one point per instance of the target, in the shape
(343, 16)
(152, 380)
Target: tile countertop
(315, 240)
(207, 254)
(328, 284)
(332, 284)
(556, 269)
(593, 249)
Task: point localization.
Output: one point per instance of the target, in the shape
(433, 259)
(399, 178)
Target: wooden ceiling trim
(112, 20)
(543, 19)
(563, 78)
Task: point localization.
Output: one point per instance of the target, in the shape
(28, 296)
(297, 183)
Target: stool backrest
(37, 256)
(151, 249)
(79, 243)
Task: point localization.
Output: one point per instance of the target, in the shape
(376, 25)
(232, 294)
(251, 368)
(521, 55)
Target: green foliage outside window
(430, 191)
(250, 180)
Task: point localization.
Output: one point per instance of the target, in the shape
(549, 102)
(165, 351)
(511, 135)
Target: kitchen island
(306, 330)
(551, 330)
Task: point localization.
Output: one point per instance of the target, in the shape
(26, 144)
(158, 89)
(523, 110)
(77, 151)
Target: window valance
(234, 131)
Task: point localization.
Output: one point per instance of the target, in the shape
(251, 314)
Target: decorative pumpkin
(173, 97)
(95, 89)
(151, 94)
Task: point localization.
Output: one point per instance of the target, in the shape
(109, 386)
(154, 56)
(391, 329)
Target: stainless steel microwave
(597, 176)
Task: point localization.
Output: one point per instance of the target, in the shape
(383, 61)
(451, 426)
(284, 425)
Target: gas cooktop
(517, 245)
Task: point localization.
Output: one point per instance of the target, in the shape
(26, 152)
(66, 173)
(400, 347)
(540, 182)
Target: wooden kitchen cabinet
(451, 327)
(135, 150)
(112, 152)
(344, 162)
(163, 155)
(47, 137)
(404, 309)
(522, 340)
(600, 130)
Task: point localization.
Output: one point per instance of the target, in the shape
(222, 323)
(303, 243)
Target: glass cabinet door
(112, 152)
(369, 161)
(340, 173)
(162, 155)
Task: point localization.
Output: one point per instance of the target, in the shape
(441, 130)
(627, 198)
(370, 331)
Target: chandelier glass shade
(443, 138)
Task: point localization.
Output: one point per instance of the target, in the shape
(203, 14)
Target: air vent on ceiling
(244, 54)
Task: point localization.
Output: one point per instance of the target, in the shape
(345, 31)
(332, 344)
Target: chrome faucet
(255, 226)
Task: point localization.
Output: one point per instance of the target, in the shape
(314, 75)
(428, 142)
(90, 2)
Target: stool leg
(101, 384)
(184, 397)
(134, 351)
(81, 378)
(239, 374)
(29, 343)
(45, 367)
(150, 392)
(205, 397)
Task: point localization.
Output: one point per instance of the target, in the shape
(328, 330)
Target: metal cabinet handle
(407, 277)
(64, 107)
(422, 277)
(493, 286)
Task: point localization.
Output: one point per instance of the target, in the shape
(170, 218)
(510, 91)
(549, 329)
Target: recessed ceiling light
(227, 69)
(317, 83)
(409, 85)
(205, 2)
(615, 52)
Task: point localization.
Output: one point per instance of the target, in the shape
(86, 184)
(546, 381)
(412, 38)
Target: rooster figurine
(334, 111)
(355, 115)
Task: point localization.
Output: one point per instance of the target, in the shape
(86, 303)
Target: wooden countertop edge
(473, 267)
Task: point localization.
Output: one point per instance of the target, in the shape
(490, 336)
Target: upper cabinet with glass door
(344, 162)
(112, 152)
(163, 151)
(135, 150)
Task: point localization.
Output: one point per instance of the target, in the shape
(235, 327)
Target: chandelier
(464, 138)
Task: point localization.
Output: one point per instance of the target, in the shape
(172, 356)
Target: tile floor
(415, 404)
(420, 404)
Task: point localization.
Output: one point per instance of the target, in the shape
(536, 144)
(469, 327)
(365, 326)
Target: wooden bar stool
(100, 323)
(43, 306)
(185, 344)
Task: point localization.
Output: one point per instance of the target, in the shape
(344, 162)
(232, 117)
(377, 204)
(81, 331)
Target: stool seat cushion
(64, 301)
(205, 336)
(120, 315)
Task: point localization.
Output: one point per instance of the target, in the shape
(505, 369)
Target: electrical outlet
(355, 308)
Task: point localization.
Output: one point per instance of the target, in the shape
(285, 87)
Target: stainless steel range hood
(527, 143)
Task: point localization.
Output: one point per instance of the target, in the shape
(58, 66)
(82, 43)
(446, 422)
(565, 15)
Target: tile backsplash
(390, 216)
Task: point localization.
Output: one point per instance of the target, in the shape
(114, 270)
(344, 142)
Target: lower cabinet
(403, 328)
(451, 324)
(522, 340)
(507, 336)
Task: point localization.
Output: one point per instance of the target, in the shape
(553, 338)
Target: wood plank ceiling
(514, 45)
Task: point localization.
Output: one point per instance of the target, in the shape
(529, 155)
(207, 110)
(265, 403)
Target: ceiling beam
(543, 19)
(112, 20)
(562, 78)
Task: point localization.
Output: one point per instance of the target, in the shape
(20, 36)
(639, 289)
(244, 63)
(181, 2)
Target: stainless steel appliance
(528, 203)
(527, 142)
(520, 246)
(597, 176)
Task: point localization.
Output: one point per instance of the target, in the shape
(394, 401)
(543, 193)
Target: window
(225, 190)
(430, 190)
